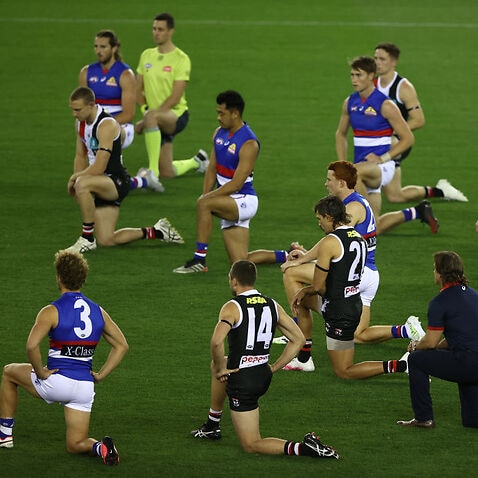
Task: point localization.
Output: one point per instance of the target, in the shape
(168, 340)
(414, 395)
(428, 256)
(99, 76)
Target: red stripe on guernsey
(435, 328)
(59, 345)
(223, 171)
(373, 134)
(101, 101)
(81, 128)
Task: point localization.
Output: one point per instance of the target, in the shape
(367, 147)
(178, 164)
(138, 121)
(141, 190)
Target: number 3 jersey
(73, 341)
(251, 336)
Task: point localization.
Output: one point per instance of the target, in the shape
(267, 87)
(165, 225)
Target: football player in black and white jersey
(249, 321)
(100, 182)
(338, 271)
(402, 92)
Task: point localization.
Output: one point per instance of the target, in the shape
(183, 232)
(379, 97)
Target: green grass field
(289, 60)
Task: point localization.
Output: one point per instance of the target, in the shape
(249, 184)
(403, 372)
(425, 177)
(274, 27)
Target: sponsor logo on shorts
(253, 360)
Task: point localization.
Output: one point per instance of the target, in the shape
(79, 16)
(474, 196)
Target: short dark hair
(232, 99)
(344, 170)
(390, 48)
(165, 17)
(245, 272)
(83, 93)
(71, 269)
(113, 40)
(364, 63)
(332, 206)
(450, 267)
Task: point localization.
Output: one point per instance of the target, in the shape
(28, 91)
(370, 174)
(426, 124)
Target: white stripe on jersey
(372, 141)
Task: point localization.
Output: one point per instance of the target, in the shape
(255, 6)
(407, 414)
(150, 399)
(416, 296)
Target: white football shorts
(388, 170)
(128, 132)
(247, 205)
(76, 394)
(369, 285)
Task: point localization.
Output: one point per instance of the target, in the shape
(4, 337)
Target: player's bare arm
(409, 97)
(46, 319)
(356, 211)
(79, 164)
(140, 98)
(297, 258)
(209, 181)
(392, 114)
(341, 140)
(82, 77)
(119, 346)
(327, 249)
(330, 248)
(107, 131)
(128, 97)
(228, 316)
(290, 329)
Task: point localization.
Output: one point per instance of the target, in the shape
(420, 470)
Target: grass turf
(290, 63)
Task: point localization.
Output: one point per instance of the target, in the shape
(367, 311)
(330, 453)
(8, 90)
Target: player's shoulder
(149, 52)
(180, 53)
(406, 88)
(379, 95)
(356, 209)
(121, 65)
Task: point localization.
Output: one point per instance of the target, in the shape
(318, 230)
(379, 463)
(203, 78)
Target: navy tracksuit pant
(459, 366)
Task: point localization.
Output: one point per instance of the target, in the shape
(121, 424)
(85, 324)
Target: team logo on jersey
(112, 82)
(168, 68)
(93, 79)
(232, 148)
(370, 111)
(235, 402)
(219, 141)
(93, 143)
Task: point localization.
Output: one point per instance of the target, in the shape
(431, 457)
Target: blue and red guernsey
(367, 228)
(372, 132)
(227, 150)
(73, 341)
(106, 85)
